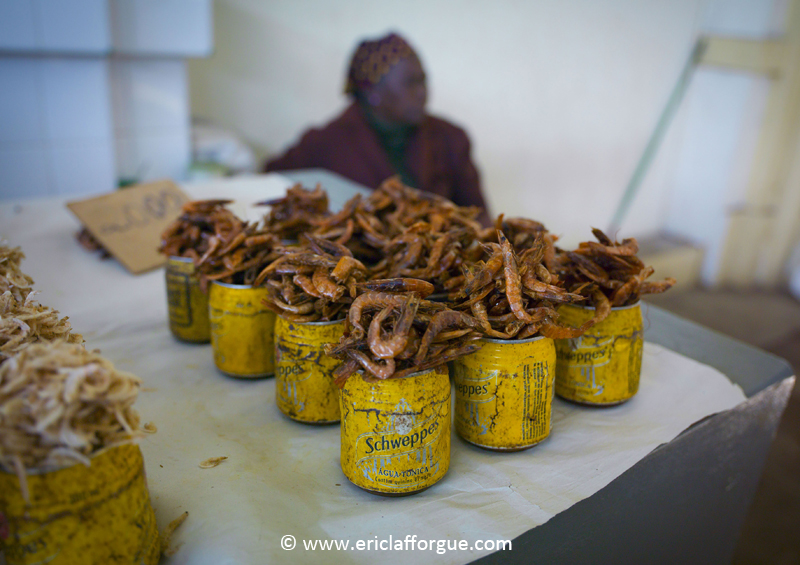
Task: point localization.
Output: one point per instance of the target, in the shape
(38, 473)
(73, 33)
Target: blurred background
(674, 121)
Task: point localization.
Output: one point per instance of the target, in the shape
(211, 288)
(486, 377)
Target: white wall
(720, 123)
(94, 91)
(559, 96)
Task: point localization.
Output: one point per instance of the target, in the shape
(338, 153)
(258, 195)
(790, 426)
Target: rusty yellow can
(95, 515)
(304, 387)
(396, 433)
(242, 330)
(187, 304)
(603, 366)
(504, 393)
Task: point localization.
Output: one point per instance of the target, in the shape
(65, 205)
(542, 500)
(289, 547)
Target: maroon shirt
(438, 155)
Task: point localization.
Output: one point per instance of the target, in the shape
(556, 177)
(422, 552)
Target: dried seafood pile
(12, 279)
(313, 282)
(522, 233)
(200, 225)
(59, 404)
(396, 207)
(392, 332)
(299, 212)
(90, 243)
(370, 226)
(28, 322)
(238, 256)
(24, 321)
(514, 296)
(422, 253)
(607, 271)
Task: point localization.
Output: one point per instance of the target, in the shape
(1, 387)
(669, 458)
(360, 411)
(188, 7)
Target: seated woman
(386, 131)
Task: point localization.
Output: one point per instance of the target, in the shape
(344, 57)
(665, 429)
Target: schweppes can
(504, 393)
(241, 330)
(396, 432)
(97, 515)
(186, 303)
(602, 366)
(304, 387)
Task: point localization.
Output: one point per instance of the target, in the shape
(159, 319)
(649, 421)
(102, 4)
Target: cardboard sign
(129, 222)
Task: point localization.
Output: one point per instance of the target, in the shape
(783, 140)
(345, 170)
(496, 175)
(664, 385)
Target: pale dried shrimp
(24, 321)
(12, 279)
(59, 404)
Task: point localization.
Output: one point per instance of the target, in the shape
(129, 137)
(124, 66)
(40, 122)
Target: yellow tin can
(602, 367)
(504, 393)
(396, 433)
(242, 329)
(304, 387)
(97, 515)
(186, 303)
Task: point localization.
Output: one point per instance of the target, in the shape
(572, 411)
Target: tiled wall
(72, 26)
(56, 135)
(95, 91)
(151, 118)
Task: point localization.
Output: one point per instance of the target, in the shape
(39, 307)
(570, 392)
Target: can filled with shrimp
(242, 329)
(395, 435)
(304, 387)
(187, 304)
(603, 366)
(79, 514)
(504, 393)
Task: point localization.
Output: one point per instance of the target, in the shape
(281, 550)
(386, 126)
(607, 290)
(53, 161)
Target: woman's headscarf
(373, 59)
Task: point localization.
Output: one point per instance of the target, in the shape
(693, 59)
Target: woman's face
(401, 93)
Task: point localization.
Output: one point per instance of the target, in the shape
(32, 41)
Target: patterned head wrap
(373, 59)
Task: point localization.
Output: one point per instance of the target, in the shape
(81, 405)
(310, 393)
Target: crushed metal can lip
(318, 323)
(511, 341)
(234, 286)
(613, 309)
(180, 259)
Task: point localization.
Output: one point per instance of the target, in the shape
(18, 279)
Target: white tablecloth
(283, 478)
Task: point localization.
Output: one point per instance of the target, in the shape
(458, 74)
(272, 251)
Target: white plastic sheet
(283, 478)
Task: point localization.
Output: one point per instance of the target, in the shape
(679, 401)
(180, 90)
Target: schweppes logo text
(586, 356)
(390, 443)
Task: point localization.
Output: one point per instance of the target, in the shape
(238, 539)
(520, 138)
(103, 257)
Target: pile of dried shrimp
(421, 252)
(514, 296)
(24, 321)
(299, 212)
(201, 223)
(392, 331)
(369, 226)
(607, 272)
(59, 404)
(238, 257)
(313, 282)
(12, 279)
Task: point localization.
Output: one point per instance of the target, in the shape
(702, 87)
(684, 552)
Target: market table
(601, 489)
